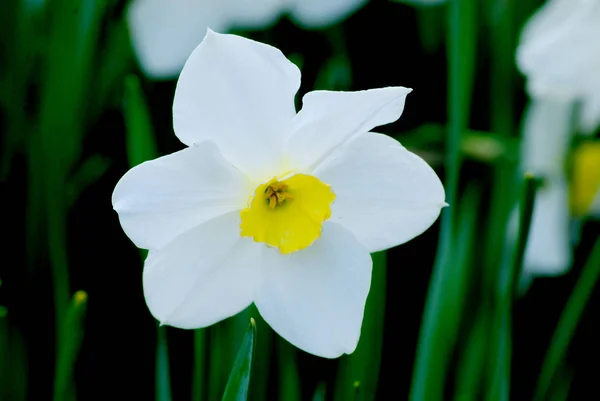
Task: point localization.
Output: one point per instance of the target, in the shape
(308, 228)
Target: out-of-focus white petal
(165, 33)
(385, 195)
(254, 13)
(205, 275)
(548, 250)
(595, 206)
(559, 51)
(319, 13)
(547, 131)
(239, 93)
(546, 136)
(589, 117)
(315, 298)
(328, 119)
(160, 199)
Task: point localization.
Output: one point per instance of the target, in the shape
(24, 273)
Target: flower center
(276, 194)
(585, 185)
(287, 214)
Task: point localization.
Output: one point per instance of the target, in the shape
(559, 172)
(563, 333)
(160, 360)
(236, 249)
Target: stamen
(276, 194)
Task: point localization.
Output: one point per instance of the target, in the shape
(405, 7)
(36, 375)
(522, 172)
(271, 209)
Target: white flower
(269, 206)
(164, 32)
(559, 52)
(546, 139)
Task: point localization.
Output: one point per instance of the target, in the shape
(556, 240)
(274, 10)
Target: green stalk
(290, 388)
(72, 335)
(163, 378)
(199, 370)
(434, 347)
(568, 323)
(363, 364)
(500, 386)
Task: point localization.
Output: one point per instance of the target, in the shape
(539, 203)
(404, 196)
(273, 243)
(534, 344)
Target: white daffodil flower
(164, 32)
(546, 139)
(585, 188)
(271, 206)
(559, 52)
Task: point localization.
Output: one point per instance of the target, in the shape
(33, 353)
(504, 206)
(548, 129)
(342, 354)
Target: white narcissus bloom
(585, 190)
(546, 139)
(559, 52)
(271, 206)
(164, 32)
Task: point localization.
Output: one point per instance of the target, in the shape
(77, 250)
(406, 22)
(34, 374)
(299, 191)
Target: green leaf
(472, 363)
(88, 172)
(140, 140)
(431, 21)
(502, 338)
(290, 388)
(568, 323)
(199, 369)
(68, 347)
(262, 357)
(237, 388)
(320, 392)
(434, 348)
(363, 364)
(163, 377)
(13, 361)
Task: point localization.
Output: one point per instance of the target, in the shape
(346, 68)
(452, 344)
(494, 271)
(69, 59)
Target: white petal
(164, 35)
(558, 51)
(254, 13)
(160, 199)
(205, 275)
(315, 298)
(239, 93)
(385, 195)
(328, 119)
(590, 113)
(548, 251)
(595, 206)
(319, 13)
(547, 132)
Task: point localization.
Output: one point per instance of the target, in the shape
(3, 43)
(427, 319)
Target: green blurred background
(446, 318)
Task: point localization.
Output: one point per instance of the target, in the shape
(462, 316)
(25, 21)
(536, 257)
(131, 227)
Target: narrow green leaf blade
(68, 347)
(13, 361)
(568, 322)
(163, 378)
(290, 388)
(500, 387)
(238, 385)
(140, 141)
(363, 365)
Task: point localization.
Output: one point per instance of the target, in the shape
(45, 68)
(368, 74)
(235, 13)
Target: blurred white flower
(559, 53)
(585, 187)
(164, 32)
(271, 206)
(546, 139)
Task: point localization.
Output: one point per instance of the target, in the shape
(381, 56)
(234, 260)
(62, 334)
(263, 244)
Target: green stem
(434, 349)
(500, 386)
(568, 322)
(198, 390)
